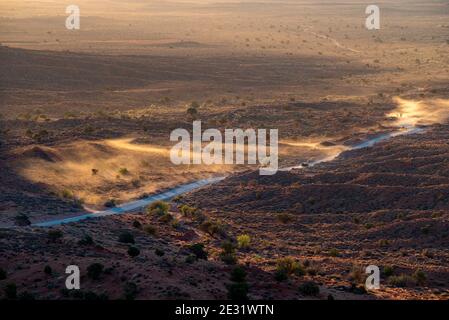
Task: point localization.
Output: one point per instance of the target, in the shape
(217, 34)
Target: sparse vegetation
(227, 254)
(243, 241)
(87, 240)
(10, 291)
(133, 251)
(198, 250)
(124, 171)
(48, 270)
(22, 220)
(95, 270)
(3, 274)
(130, 291)
(126, 237)
(309, 288)
(158, 208)
(54, 235)
(284, 217)
(149, 229)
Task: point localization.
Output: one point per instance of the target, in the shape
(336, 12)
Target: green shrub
(54, 235)
(48, 270)
(187, 211)
(130, 291)
(11, 291)
(280, 275)
(166, 218)
(198, 250)
(309, 288)
(151, 230)
(213, 228)
(3, 274)
(238, 274)
(133, 251)
(137, 224)
(402, 281)
(420, 277)
(238, 291)
(243, 241)
(123, 171)
(334, 252)
(227, 254)
(158, 208)
(287, 265)
(388, 271)
(95, 270)
(22, 220)
(126, 237)
(284, 217)
(111, 203)
(86, 241)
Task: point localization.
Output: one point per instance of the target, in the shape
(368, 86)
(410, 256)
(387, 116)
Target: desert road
(138, 204)
(134, 205)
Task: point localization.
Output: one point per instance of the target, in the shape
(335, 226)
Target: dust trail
(126, 144)
(412, 113)
(334, 41)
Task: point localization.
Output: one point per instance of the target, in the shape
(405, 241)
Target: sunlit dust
(410, 113)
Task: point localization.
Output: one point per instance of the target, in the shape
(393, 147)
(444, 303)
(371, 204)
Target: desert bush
(428, 253)
(151, 230)
(238, 291)
(133, 251)
(334, 252)
(137, 224)
(309, 288)
(10, 291)
(420, 277)
(238, 274)
(287, 265)
(48, 270)
(388, 271)
(126, 237)
(86, 240)
(227, 254)
(22, 220)
(123, 171)
(54, 235)
(175, 223)
(95, 270)
(3, 274)
(166, 218)
(67, 194)
(187, 211)
(213, 228)
(198, 250)
(130, 291)
(280, 275)
(356, 275)
(159, 252)
(284, 217)
(111, 203)
(158, 208)
(369, 226)
(402, 280)
(94, 172)
(243, 241)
